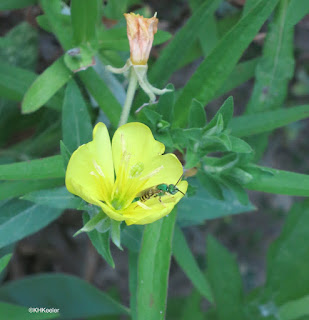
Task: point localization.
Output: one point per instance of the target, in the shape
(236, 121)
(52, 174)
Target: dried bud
(140, 32)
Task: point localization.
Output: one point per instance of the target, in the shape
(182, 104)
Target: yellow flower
(112, 176)
(140, 32)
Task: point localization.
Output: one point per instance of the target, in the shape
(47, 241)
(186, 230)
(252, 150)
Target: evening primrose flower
(140, 33)
(114, 176)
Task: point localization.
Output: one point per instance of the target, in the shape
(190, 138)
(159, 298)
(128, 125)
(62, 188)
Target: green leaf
(251, 124)
(210, 184)
(100, 241)
(60, 25)
(45, 168)
(295, 309)
(15, 312)
(133, 265)
(239, 145)
(216, 68)
(76, 124)
(14, 81)
(225, 280)
(59, 198)
(226, 111)
(181, 43)
(45, 86)
(276, 66)
(296, 11)
(65, 153)
(19, 47)
(101, 93)
(4, 262)
(206, 207)
(153, 268)
(15, 4)
(114, 9)
(115, 233)
(288, 258)
(84, 17)
(241, 73)
(11, 189)
(187, 262)
(166, 104)
(249, 5)
(192, 308)
(278, 181)
(92, 223)
(63, 292)
(22, 218)
(197, 115)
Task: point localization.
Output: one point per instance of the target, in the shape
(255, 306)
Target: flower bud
(140, 32)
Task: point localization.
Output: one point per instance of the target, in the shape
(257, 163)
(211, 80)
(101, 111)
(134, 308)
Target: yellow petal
(162, 169)
(136, 140)
(138, 215)
(90, 171)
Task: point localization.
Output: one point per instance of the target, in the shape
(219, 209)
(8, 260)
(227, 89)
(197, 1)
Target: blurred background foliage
(207, 50)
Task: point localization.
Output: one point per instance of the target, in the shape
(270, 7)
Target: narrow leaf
(187, 262)
(215, 69)
(251, 124)
(225, 280)
(295, 309)
(59, 198)
(197, 115)
(276, 66)
(45, 86)
(101, 93)
(101, 241)
(84, 17)
(15, 4)
(278, 181)
(4, 261)
(63, 292)
(287, 261)
(44, 168)
(16, 312)
(76, 124)
(12, 189)
(21, 218)
(165, 66)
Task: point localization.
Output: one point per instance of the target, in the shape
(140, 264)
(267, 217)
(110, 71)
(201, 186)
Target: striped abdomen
(147, 194)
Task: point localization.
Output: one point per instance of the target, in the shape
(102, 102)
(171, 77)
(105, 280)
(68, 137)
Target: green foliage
(220, 63)
(76, 124)
(63, 292)
(79, 91)
(45, 86)
(186, 260)
(153, 268)
(225, 281)
(22, 218)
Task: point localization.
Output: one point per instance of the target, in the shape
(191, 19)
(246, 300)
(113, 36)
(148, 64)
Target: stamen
(152, 173)
(142, 205)
(98, 168)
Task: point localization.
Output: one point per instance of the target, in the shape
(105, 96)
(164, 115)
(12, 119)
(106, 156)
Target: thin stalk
(129, 98)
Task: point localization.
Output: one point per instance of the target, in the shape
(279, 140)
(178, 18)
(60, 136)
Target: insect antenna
(177, 183)
(178, 180)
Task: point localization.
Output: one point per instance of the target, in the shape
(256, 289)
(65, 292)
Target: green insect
(158, 191)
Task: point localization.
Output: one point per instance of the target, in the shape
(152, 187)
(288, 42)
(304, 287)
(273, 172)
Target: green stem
(153, 268)
(129, 98)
